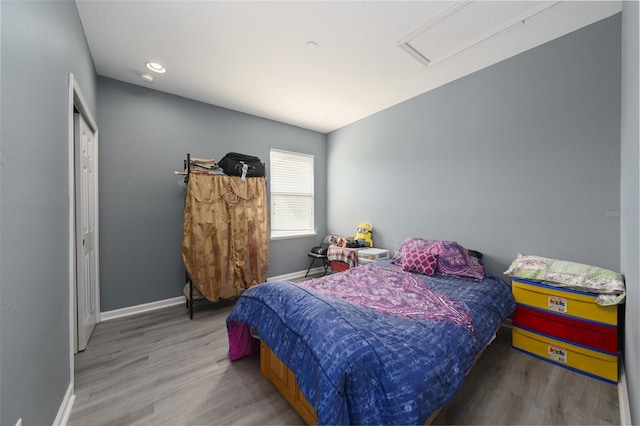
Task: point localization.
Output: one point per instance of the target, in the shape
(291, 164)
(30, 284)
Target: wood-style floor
(160, 368)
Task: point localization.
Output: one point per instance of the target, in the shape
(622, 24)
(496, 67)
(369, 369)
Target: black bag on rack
(233, 164)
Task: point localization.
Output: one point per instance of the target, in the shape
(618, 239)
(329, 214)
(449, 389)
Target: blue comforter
(361, 365)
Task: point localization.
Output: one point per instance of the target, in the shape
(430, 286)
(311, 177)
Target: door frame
(77, 103)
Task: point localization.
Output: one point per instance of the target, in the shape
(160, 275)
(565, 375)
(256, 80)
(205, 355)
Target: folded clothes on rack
(207, 165)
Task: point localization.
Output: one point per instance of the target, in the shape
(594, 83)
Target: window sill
(291, 236)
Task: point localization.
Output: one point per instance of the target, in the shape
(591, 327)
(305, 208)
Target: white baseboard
(138, 309)
(296, 275)
(146, 307)
(623, 397)
(65, 408)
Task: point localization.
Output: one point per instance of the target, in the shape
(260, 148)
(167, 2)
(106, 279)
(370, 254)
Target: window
(291, 180)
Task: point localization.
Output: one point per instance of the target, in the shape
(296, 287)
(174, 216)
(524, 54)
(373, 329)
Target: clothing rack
(187, 172)
(241, 210)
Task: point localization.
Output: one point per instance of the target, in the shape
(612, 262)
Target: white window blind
(291, 180)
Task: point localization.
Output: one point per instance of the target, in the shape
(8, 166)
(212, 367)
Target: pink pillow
(415, 260)
(414, 243)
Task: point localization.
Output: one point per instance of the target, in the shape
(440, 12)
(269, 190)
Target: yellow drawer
(562, 301)
(593, 363)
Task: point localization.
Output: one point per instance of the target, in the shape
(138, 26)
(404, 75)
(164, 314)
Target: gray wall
(523, 156)
(629, 200)
(42, 42)
(144, 137)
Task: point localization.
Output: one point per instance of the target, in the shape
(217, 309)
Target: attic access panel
(466, 24)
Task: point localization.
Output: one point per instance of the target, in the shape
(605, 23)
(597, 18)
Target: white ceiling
(251, 56)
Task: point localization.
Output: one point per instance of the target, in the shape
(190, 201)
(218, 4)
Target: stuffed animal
(364, 233)
(336, 240)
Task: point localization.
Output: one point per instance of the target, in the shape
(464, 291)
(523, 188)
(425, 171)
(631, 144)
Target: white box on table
(372, 255)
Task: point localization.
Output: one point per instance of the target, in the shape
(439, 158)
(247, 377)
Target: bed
(377, 344)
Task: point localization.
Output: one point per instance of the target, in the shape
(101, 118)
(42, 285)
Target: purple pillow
(415, 260)
(455, 260)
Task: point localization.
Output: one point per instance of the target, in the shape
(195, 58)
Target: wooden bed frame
(285, 381)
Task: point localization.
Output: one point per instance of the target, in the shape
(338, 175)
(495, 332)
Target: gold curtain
(225, 240)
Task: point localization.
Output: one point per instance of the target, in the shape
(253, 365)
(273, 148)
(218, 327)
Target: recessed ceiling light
(147, 78)
(155, 67)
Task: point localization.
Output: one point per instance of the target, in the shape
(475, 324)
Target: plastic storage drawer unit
(567, 328)
(372, 255)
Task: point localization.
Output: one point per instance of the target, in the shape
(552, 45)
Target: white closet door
(86, 251)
